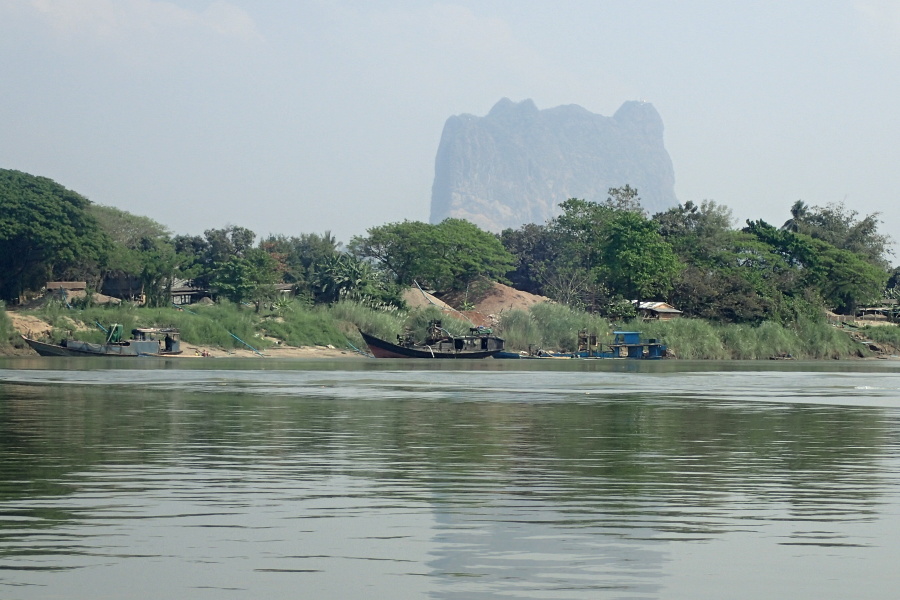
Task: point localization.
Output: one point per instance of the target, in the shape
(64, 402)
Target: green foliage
(301, 259)
(699, 234)
(843, 279)
(46, 231)
(315, 326)
(141, 256)
(548, 326)
(532, 247)
(445, 257)
(884, 334)
(689, 339)
(768, 339)
(639, 264)
(7, 333)
(625, 198)
(384, 323)
(841, 228)
(126, 229)
(251, 276)
(701, 340)
(202, 259)
(344, 276)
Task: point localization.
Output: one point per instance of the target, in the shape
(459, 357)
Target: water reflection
(417, 484)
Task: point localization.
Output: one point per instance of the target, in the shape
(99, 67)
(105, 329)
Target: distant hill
(515, 165)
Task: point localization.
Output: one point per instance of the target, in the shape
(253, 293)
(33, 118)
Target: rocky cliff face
(516, 164)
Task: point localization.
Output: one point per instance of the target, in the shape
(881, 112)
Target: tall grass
(804, 339)
(315, 326)
(202, 325)
(686, 338)
(7, 333)
(885, 334)
(821, 340)
(350, 316)
(548, 326)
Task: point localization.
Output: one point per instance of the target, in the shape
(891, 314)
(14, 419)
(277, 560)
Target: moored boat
(145, 341)
(628, 344)
(438, 344)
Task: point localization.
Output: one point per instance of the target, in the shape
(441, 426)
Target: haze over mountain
(516, 164)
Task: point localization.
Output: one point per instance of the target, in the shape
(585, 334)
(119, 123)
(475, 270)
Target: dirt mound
(485, 311)
(502, 297)
(29, 325)
(486, 308)
(416, 298)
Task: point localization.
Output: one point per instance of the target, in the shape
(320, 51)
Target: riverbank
(332, 332)
(33, 326)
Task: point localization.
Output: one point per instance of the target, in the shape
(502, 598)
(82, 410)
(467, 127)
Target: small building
(124, 287)
(68, 286)
(662, 311)
(184, 292)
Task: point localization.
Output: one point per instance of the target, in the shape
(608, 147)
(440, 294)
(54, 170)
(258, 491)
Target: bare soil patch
(488, 307)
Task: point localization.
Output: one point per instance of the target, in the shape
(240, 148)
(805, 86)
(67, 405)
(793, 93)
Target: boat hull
(77, 348)
(383, 349)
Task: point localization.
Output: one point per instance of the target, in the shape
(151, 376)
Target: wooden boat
(438, 344)
(626, 344)
(148, 341)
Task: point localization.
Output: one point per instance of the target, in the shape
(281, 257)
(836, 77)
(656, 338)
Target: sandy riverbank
(34, 327)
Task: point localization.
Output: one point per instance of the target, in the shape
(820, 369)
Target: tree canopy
(601, 256)
(445, 256)
(46, 231)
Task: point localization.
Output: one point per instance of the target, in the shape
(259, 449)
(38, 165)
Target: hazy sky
(300, 116)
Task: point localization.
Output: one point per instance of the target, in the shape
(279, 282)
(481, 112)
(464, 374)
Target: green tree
(202, 258)
(45, 231)
(624, 198)
(844, 229)
(533, 247)
(142, 255)
(251, 276)
(347, 277)
(699, 233)
(844, 279)
(639, 263)
(447, 256)
(302, 258)
(799, 215)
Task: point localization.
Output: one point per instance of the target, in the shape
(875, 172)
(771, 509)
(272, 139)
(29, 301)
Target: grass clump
(315, 326)
(688, 338)
(7, 333)
(883, 334)
(548, 326)
(821, 340)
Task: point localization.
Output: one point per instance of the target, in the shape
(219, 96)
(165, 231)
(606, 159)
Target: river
(575, 479)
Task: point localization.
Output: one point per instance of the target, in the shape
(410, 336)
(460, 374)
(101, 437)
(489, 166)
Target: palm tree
(799, 214)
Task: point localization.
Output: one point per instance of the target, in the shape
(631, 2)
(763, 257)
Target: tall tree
(625, 198)
(844, 229)
(639, 264)
(445, 256)
(142, 258)
(699, 233)
(45, 230)
(842, 278)
(251, 276)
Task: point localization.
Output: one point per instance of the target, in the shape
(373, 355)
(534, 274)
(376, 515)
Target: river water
(221, 479)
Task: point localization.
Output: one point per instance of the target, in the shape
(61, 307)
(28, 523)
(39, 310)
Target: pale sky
(300, 116)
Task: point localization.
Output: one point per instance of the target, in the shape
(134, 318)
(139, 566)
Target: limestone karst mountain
(516, 164)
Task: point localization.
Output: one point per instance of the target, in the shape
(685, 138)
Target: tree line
(599, 256)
